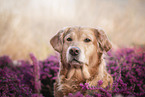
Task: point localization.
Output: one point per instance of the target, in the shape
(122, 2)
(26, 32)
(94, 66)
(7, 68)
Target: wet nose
(74, 51)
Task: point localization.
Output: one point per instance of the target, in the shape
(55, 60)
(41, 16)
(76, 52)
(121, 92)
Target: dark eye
(87, 40)
(69, 39)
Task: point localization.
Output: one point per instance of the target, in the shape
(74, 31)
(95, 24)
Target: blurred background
(28, 25)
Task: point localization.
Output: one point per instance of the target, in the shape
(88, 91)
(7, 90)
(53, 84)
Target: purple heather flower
(36, 72)
(126, 65)
(100, 82)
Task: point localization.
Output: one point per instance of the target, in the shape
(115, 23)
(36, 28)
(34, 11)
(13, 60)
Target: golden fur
(92, 67)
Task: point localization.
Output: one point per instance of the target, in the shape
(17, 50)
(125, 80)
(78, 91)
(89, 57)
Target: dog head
(80, 45)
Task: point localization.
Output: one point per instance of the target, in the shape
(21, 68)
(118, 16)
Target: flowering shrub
(127, 67)
(25, 79)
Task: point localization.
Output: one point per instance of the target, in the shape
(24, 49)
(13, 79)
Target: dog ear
(103, 41)
(57, 40)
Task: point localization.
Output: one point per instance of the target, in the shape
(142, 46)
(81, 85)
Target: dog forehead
(80, 32)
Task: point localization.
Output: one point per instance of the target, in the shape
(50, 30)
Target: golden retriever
(81, 51)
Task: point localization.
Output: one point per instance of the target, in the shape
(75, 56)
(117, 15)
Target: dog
(81, 59)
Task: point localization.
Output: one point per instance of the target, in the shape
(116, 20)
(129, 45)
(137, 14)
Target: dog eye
(87, 40)
(69, 39)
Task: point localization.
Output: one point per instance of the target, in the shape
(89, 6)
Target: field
(36, 78)
(29, 65)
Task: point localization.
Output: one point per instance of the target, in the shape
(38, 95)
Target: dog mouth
(75, 62)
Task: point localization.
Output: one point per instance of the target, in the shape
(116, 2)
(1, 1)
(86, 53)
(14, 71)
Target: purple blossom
(36, 74)
(100, 82)
(23, 79)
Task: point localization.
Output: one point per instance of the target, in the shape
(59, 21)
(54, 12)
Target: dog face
(80, 45)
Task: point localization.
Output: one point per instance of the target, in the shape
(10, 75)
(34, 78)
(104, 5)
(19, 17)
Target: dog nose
(74, 51)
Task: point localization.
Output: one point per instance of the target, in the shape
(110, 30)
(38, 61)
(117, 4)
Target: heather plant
(127, 67)
(36, 78)
(48, 71)
(10, 84)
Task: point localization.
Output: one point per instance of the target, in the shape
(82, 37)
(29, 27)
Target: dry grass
(27, 26)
